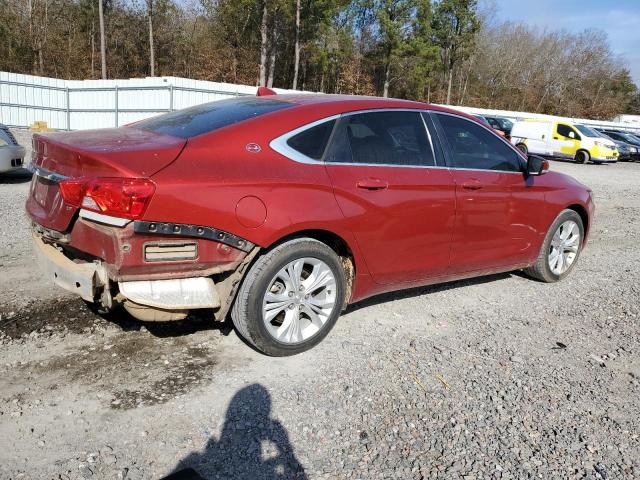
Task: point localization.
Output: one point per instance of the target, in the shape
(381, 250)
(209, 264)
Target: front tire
(290, 298)
(523, 148)
(560, 249)
(582, 156)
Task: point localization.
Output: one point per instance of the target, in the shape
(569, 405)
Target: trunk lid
(112, 152)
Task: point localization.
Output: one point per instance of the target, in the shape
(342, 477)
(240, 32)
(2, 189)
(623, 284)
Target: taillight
(119, 197)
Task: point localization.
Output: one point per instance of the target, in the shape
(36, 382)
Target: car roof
(358, 102)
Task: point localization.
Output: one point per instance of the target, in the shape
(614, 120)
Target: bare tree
(264, 43)
(152, 60)
(103, 48)
(296, 54)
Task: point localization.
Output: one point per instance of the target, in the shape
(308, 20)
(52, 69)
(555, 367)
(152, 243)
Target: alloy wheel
(564, 247)
(299, 300)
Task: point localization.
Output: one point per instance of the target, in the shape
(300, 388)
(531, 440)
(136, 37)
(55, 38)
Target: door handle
(475, 185)
(555, 138)
(372, 184)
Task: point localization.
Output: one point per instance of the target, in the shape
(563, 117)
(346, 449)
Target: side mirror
(572, 135)
(537, 165)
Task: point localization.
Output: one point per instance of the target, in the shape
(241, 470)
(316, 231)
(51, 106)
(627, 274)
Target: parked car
(559, 139)
(626, 150)
(500, 123)
(283, 209)
(484, 121)
(628, 138)
(11, 153)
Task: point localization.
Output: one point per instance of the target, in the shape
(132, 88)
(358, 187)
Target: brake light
(119, 197)
(72, 191)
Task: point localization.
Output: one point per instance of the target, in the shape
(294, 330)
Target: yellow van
(562, 139)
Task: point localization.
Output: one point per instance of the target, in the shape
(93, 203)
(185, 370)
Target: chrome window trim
(492, 131)
(46, 174)
(280, 145)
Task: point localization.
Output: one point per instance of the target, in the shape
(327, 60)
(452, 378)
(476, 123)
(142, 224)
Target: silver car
(11, 153)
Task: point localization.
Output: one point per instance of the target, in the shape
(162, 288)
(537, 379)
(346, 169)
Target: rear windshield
(211, 116)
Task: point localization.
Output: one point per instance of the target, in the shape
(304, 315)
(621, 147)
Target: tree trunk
(272, 61)
(296, 54)
(263, 46)
(273, 52)
(93, 50)
(103, 49)
(448, 102)
(387, 79)
(152, 59)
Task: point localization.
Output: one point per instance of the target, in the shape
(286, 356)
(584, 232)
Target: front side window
(474, 147)
(382, 138)
(564, 130)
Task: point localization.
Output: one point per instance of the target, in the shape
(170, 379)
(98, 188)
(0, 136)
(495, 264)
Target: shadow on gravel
(418, 291)
(252, 445)
(73, 315)
(21, 175)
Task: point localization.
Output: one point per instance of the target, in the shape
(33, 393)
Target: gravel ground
(496, 377)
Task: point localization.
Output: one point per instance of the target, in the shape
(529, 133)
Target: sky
(620, 19)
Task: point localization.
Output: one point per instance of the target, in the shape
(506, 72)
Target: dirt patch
(196, 364)
(44, 317)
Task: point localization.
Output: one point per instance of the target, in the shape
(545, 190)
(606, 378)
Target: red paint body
(429, 225)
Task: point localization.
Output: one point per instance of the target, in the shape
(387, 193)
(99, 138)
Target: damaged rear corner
(158, 271)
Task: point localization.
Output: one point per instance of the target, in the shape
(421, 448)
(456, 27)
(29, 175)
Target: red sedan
(281, 210)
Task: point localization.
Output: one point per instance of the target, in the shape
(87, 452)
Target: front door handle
(472, 185)
(372, 184)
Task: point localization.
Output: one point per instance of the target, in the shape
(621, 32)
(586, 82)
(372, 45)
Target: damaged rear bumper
(90, 279)
(85, 279)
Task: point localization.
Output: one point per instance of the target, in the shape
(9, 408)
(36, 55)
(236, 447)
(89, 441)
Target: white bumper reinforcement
(174, 294)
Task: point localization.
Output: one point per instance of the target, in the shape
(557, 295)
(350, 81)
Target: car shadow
(21, 175)
(419, 291)
(196, 321)
(252, 445)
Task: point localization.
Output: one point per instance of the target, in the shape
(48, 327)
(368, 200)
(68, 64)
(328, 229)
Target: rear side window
(474, 147)
(312, 141)
(211, 116)
(382, 138)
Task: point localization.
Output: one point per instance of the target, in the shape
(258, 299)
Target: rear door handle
(372, 184)
(473, 185)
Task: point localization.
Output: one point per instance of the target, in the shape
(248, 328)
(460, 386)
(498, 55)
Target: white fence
(84, 104)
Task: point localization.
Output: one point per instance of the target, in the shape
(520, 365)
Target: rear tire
(290, 298)
(560, 240)
(582, 156)
(523, 148)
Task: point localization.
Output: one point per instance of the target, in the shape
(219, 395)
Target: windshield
(631, 137)
(211, 116)
(586, 131)
(504, 123)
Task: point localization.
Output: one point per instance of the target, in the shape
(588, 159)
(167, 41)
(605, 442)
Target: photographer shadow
(252, 445)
